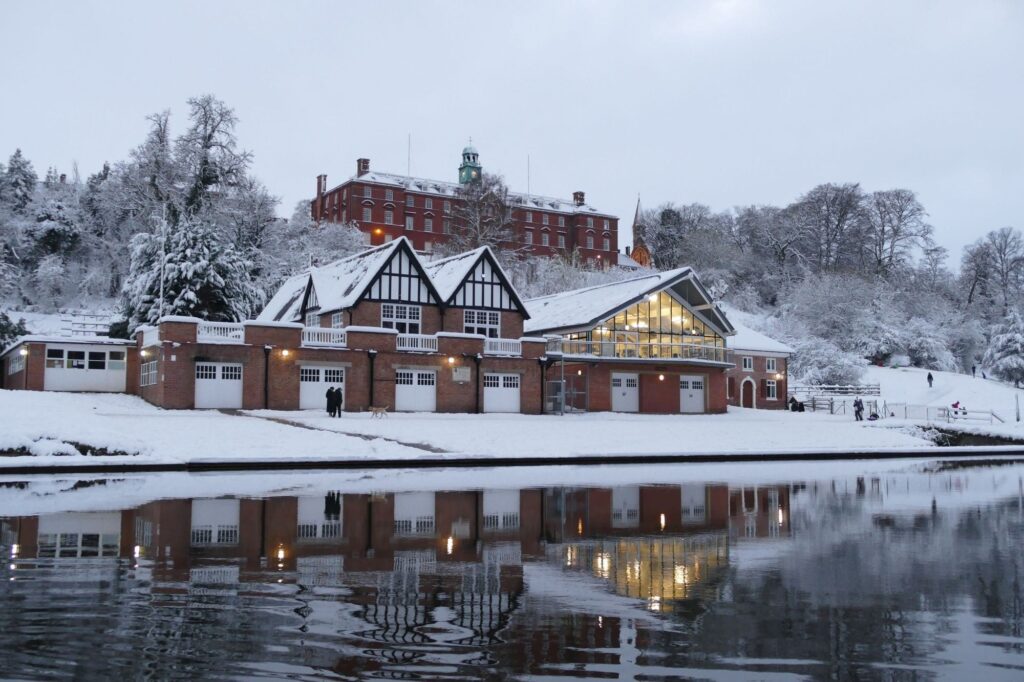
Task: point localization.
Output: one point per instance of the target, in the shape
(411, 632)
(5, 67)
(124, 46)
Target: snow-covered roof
(448, 273)
(626, 261)
(588, 306)
(451, 189)
(50, 338)
(337, 285)
(747, 338)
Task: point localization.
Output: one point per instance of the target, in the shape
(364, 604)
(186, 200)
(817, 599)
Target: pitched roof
(338, 285)
(590, 305)
(448, 273)
(749, 339)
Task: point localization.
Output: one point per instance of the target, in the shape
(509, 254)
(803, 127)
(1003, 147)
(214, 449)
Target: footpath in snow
(51, 428)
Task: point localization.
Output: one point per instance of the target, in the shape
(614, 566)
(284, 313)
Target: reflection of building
(759, 512)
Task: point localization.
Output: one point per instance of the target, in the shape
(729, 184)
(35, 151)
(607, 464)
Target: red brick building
(759, 376)
(386, 206)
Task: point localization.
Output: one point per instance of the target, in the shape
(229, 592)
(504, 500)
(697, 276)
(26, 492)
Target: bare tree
(1006, 251)
(895, 223)
(482, 215)
(832, 218)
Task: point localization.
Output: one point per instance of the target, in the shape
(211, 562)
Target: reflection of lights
(570, 556)
(280, 553)
(604, 564)
(137, 551)
(450, 544)
(681, 578)
(600, 621)
(15, 549)
(579, 526)
(780, 516)
(661, 521)
(654, 603)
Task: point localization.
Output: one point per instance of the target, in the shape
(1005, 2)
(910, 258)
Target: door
(415, 390)
(501, 392)
(314, 382)
(747, 393)
(691, 394)
(625, 392)
(218, 385)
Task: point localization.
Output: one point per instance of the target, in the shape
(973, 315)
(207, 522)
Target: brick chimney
(362, 167)
(321, 185)
(577, 198)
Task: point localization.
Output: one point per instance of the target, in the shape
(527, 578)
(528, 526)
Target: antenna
(527, 175)
(408, 156)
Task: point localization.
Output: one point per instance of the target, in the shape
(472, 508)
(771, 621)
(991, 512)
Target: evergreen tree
(19, 182)
(202, 275)
(10, 330)
(1005, 354)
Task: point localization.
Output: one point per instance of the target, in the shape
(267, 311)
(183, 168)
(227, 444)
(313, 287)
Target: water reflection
(896, 576)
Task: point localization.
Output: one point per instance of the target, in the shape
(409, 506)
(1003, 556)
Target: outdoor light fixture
(451, 359)
(137, 552)
(285, 352)
(144, 353)
(661, 377)
(23, 351)
(378, 231)
(579, 372)
(15, 548)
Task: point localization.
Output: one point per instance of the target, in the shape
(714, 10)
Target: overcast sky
(724, 103)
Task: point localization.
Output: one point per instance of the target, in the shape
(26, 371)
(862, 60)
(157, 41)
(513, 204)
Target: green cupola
(470, 169)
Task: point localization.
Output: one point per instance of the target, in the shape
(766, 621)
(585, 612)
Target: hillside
(910, 385)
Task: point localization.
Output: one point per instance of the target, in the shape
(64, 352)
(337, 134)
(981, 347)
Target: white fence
(835, 389)
(417, 342)
(503, 347)
(324, 336)
(947, 415)
(220, 332)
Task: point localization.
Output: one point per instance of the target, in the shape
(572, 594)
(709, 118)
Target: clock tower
(470, 169)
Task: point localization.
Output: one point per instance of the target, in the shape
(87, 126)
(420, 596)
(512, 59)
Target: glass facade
(657, 327)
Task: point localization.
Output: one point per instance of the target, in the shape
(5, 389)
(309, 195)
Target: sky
(725, 103)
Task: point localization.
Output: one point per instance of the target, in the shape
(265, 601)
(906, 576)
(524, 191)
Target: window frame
(771, 365)
(747, 363)
(484, 322)
(771, 389)
(404, 323)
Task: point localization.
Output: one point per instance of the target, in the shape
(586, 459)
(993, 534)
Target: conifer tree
(19, 182)
(1005, 354)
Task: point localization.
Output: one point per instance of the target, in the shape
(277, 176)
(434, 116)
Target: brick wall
(760, 375)
(657, 396)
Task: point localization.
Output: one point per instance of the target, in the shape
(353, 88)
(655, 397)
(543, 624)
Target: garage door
(691, 394)
(415, 390)
(501, 392)
(625, 392)
(314, 382)
(218, 385)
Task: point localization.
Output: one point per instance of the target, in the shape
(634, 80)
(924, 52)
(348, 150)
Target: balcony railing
(503, 347)
(220, 332)
(644, 351)
(421, 343)
(324, 336)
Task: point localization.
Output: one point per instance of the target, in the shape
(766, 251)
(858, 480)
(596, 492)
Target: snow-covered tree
(10, 330)
(1005, 355)
(481, 216)
(18, 183)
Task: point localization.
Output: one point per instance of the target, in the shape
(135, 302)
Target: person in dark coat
(858, 409)
(332, 401)
(930, 379)
(339, 401)
(974, 371)
(792, 403)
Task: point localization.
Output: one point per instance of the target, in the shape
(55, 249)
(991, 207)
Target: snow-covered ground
(910, 385)
(45, 423)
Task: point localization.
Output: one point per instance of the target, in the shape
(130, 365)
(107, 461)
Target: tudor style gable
(402, 280)
(485, 287)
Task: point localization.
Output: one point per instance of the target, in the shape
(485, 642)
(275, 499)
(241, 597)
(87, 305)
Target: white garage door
(501, 392)
(415, 390)
(314, 382)
(625, 392)
(218, 385)
(691, 394)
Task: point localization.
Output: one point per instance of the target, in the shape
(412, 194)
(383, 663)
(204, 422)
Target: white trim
(774, 386)
(771, 365)
(743, 363)
(753, 395)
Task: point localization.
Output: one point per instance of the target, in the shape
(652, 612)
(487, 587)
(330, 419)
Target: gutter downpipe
(372, 355)
(477, 359)
(266, 377)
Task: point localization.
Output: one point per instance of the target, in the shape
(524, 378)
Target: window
(116, 360)
(403, 378)
(366, 214)
(147, 373)
(632, 382)
(771, 390)
(607, 244)
(428, 224)
(528, 237)
(368, 192)
(545, 239)
(334, 376)
(590, 222)
(447, 226)
(510, 381)
(545, 218)
(231, 372)
(389, 217)
(312, 320)
(561, 221)
(590, 241)
(486, 322)
(389, 195)
(206, 371)
(606, 223)
(428, 203)
(447, 207)
(561, 241)
(425, 378)
(492, 381)
(15, 363)
(748, 363)
(410, 200)
(76, 359)
(529, 216)
(408, 222)
(54, 358)
(428, 247)
(403, 318)
(309, 375)
(337, 320)
(770, 365)
(97, 360)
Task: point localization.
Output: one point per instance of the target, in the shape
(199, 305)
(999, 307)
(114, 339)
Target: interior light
(653, 298)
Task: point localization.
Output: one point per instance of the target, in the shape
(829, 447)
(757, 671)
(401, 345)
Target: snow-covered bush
(818, 361)
(1005, 354)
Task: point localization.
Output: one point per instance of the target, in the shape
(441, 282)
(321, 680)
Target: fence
(835, 389)
(946, 415)
(833, 406)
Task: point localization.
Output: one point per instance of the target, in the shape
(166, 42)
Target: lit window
(408, 222)
(486, 322)
(771, 389)
(403, 318)
(389, 217)
(366, 214)
(770, 365)
(748, 363)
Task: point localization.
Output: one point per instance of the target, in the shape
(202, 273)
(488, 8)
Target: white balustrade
(220, 332)
(503, 347)
(417, 343)
(324, 336)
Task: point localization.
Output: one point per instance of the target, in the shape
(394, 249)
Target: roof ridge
(609, 284)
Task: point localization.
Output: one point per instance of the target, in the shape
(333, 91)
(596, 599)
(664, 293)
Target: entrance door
(625, 392)
(314, 382)
(218, 385)
(501, 392)
(691, 394)
(747, 393)
(415, 390)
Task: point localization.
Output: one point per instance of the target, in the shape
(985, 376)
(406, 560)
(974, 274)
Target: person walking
(332, 404)
(858, 409)
(930, 379)
(339, 401)
(974, 371)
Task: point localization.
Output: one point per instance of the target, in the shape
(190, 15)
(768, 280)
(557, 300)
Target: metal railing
(946, 415)
(503, 347)
(836, 389)
(417, 343)
(645, 351)
(324, 336)
(220, 332)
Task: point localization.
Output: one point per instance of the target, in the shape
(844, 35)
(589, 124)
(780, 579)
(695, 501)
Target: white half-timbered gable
(474, 280)
(402, 280)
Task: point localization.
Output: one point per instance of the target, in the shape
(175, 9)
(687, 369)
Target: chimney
(63, 178)
(321, 185)
(577, 198)
(362, 167)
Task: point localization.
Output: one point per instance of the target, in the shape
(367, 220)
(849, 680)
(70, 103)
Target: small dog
(378, 412)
